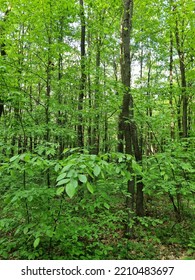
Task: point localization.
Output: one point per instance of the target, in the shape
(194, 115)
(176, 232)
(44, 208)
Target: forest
(97, 122)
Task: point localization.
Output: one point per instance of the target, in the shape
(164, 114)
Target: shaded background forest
(97, 121)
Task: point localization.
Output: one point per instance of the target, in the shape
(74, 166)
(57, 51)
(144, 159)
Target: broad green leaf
(36, 242)
(60, 190)
(63, 182)
(90, 187)
(96, 170)
(74, 183)
(61, 176)
(72, 173)
(70, 190)
(82, 178)
(67, 167)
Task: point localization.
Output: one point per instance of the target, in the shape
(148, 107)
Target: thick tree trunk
(125, 118)
(127, 105)
(127, 126)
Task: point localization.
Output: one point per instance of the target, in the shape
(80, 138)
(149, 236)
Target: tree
(127, 125)
(83, 78)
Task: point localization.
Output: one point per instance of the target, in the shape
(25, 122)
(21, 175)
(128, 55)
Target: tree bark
(181, 55)
(127, 126)
(172, 126)
(96, 134)
(3, 53)
(80, 128)
(127, 104)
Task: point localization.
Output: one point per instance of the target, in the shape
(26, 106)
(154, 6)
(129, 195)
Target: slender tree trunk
(105, 138)
(181, 55)
(149, 109)
(125, 127)
(172, 128)
(96, 134)
(61, 116)
(80, 128)
(3, 53)
(89, 130)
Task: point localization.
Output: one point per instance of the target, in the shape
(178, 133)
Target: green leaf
(82, 178)
(63, 182)
(70, 190)
(74, 183)
(30, 198)
(61, 176)
(57, 167)
(14, 158)
(96, 170)
(136, 167)
(117, 170)
(25, 230)
(25, 157)
(60, 190)
(90, 187)
(15, 198)
(106, 205)
(49, 233)
(66, 150)
(67, 167)
(36, 242)
(72, 173)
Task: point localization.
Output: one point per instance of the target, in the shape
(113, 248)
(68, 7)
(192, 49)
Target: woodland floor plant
(81, 214)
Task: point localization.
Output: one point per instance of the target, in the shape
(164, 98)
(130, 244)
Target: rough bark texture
(127, 126)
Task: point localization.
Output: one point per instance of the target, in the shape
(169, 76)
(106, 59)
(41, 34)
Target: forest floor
(99, 233)
(159, 235)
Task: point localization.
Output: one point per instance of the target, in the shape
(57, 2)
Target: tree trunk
(181, 55)
(172, 126)
(127, 105)
(96, 133)
(127, 125)
(3, 53)
(80, 128)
